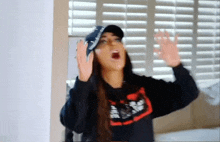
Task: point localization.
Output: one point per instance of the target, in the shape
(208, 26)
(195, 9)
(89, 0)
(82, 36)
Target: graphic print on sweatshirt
(137, 107)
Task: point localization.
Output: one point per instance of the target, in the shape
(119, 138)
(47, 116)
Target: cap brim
(114, 29)
(97, 34)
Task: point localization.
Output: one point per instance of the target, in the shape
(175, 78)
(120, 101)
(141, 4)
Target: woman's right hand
(84, 66)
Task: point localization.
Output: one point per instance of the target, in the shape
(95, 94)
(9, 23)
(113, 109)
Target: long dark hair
(104, 133)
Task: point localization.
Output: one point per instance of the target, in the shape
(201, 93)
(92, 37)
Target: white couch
(200, 121)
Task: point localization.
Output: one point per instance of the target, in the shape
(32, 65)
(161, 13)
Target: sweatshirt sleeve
(167, 97)
(73, 113)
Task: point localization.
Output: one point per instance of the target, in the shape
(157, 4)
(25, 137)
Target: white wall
(26, 38)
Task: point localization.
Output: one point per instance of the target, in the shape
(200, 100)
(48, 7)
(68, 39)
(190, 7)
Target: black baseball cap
(93, 38)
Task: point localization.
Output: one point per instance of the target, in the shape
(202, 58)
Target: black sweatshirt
(132, 107)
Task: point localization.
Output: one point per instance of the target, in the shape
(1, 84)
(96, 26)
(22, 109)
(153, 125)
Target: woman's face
(111, 52)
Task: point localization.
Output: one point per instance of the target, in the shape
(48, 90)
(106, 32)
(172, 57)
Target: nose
(112, 42)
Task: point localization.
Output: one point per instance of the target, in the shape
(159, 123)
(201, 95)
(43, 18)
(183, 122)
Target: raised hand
(168, 49)
(84, 66)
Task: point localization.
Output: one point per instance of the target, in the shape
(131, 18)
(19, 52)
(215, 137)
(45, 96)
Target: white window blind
(196, 21)
(131, 16)
(82, 17)
(176, 17)
(208, 42)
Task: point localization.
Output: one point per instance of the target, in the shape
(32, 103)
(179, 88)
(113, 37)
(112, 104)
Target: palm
(168, 50)
(85, 67)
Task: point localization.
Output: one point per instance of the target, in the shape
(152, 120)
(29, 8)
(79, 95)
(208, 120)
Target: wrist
(83, 78)
(175, 63)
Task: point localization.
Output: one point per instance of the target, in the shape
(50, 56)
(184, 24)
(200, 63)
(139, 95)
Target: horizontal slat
(181, 47)
(121, 24)
(80, 32)
(173, 17)
(137, 16)
(137, 57)
(162, 72)
(135, 41)
(113, 16)
(184, 10)
(82, 14)
(138, 2)
(133, 25)
(202, 62)
(136, 24)
(206, 54)
(182, 55)
(122, 8)
(205, 18)
(123, 16)
(181, 32)
(136, 32)
(207, 25)
(204, 76)
(188, 3)
(116, 2)
(90, 6)
(207, 33)
(207, 47)
(207, 11)
(184, 18)
(172, 24)
(138, 64)
(211, 68)
(137, 49)
(139, 71)
(136, 8)
(174, 10)
(207, 40)
(114, 7)
(217, 68)
(160, 63)
(204, 69)
(81, 23)
(209, 3)
(165, 9)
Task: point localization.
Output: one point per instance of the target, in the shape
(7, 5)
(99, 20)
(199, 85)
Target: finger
(81, 49)
(160, 41)
(159, 53)
(156, 35)
(176, 39)
(167, 35)
(162, 36)
(79, 53)
(157, 50)
(91, 57)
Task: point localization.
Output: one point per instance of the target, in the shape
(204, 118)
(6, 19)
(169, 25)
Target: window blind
(82, 17)
(208, 45)
(196, 22)
(131, 16)
(176, 17)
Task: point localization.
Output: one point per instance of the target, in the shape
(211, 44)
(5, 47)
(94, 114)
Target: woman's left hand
(168, 49)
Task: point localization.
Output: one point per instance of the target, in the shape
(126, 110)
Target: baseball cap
(93, 38)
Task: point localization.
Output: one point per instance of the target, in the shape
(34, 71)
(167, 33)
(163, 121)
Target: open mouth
(115, 55)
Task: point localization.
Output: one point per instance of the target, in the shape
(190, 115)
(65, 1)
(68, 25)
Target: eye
(118, 39)
(103, 41)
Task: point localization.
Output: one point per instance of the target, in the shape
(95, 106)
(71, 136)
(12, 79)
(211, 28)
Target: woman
(111, 103)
